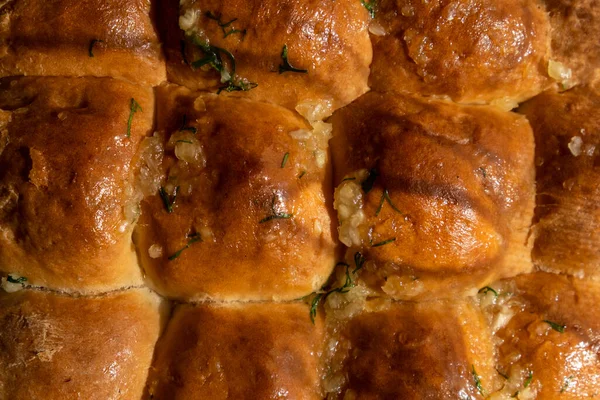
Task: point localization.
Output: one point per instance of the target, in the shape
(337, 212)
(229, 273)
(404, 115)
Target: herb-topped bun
(81, 38)
(245, 352)
(546, 327)
(567, 224)
(67, 180)
(418, 258)
(286, 52)
(437, 197)
(429, 350)
(56, 347)
(240, 211)
(471, 51)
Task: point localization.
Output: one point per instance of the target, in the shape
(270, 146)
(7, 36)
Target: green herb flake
(92, 44)
(350, 178)
(239, 86)
(483, 172)
(385, 197)
(168, 201)
(359, 261)
(285, 158)
(487, 289)
(384, 242)
(185, 127)
(191, 240)
(184, 141)
(320, 297)
(20, 279)
(213, 57)
(501, 374)
(369, 181)
(557, 327)
(133, 108)
(370, 6)
(380, 205)
(566, 384)
(477, 379)
(314, 306)
(275, 216)
(225, 26)
(528, 380)
(286, 66)
(302, 174)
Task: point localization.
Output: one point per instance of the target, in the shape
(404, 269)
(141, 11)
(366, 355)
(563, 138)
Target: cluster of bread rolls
(353, 199)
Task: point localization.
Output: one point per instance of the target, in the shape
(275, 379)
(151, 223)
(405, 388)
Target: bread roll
(113, 38)
(430, 350)
(575, 45)
(567, 217)
(547, 333)
(254, 351)
(437, 198)
(67, 180)
(61, 347)
(247, 184)
(328, 41)
(182, 147)
(472, 51)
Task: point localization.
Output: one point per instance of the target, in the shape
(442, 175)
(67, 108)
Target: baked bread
(327, 49)
(567, 221)
(252, 352)
(410, 351)
(172, 228)
(60, 347)
(471, 51)
(437, 197)
(67, 180)
(236, 193)
(113, 38)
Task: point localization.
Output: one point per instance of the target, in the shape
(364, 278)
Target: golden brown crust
(567, 133)
(251, 205)
(66, 180)
(255, 351)
(473, 51)
(411, 351)
(575, 32)
(55, 37)
(329, 40)
(59, 347)
(460, 187)
(552, 336)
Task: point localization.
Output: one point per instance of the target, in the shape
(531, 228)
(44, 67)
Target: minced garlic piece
(12, 283)
(575, 146)
(155, 251)
(348, 201)
(561, 73)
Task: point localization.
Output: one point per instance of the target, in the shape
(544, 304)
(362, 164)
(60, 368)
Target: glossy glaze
(227, 198)
(329, 40)
(472, 51)
(55, 38)
(252, 351)
(66, 178)
(59, 347)
(461, 180)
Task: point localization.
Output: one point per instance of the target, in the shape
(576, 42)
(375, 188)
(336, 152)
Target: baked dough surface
(299, 199)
